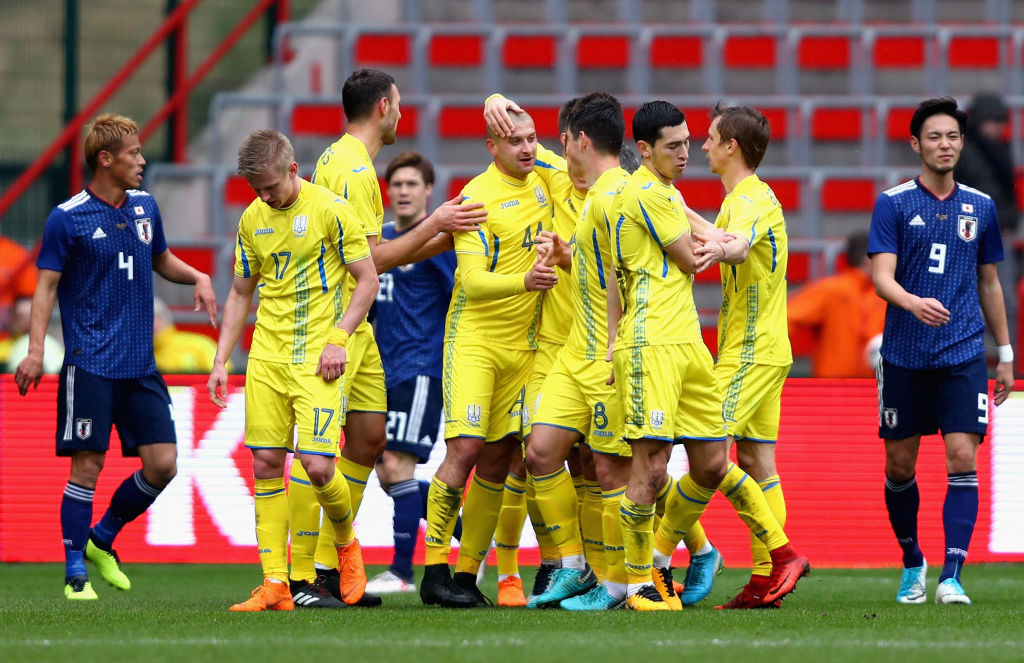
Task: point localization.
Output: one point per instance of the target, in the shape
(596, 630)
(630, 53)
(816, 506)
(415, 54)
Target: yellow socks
(510, 526)
(637, 535)
(772, 489)
(592, 527)
(695, 538)
(686, 503)
(479, 518)
(304, 510)
(556, 499)
(356, 475)
(548, 552)
(334, 498)
(614, 549)
(272, 527)
(750, 504)
(443, 502)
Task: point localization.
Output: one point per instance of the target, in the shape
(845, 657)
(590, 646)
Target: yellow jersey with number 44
(300, 254)
(752, 325)
(657, 296)
(517, 211)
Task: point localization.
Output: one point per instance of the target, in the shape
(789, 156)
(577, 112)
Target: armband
(1005, 353)
(337, 337)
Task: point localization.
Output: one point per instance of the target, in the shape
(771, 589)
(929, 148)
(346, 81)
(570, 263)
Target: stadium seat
(897, 134)
(750, 62)
(842, 134)
(849, 195)
(676, 62)
(976, 62)
(821, 57)
(903, 61)
(530, 61)
(603, 61)
(456, 61)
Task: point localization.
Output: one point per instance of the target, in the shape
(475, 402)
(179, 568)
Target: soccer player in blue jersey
(98, 254)
(411, 306)
(933, 246)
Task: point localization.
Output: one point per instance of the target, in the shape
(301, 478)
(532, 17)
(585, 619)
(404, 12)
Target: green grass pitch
(180, 613)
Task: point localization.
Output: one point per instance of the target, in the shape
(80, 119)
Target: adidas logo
(99, 234)
(917, 220)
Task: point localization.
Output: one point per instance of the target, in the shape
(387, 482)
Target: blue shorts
(414, 416)
(88, 405)
(922, 402)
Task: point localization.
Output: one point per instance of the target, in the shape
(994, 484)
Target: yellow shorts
(543, 359)
(483, 389)
(364, 374)
(576, 396)
(753, 399)
(282, 397)
(669, 393)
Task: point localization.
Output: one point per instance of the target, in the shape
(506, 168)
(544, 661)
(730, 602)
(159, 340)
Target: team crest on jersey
(83, 428)
(144, 229)
(889, 417)
(139, 210)
(657, 418)
(299, 224)
(473, 412)
(539, 192)
(967, 227)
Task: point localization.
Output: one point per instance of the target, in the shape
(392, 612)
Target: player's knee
(86, 468)
(540, 462)
(961, 460)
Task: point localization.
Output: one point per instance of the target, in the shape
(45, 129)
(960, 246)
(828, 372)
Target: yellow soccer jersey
(346, 168)
(556, 308)
(300, 255)
(752, 325)
(517, 210)
(591, 257)
(657, 297)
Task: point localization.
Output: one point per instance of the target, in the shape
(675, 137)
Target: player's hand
(708, 253)
(28, 373)
(1004, 382)
(714, 235)
(551, 247)
(332, 362)
(205, 297)
(930, 311)
(496, 114)
(611, 377)
(217, 385)
(541, 277)
(455, 216)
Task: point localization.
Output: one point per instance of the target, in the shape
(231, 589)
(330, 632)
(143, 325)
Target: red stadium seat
(778, 119)
(602, 52)
(799, 268)
(202, 258)
(318, 120)
(897, 123)
(902, 51)
(750, 52)
(849, 195)
(788, 193)
(824, 52)
(676, 52)
(974, 52)
(456, 184)
(237, 192)
(529, 51)
(462, 122)
(701, 194)
(383, 49)
(456, 50)
(837, 123)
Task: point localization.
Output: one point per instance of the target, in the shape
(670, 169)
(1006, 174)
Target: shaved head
(518, 119)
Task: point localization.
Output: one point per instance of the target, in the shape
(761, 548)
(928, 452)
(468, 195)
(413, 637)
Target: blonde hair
(262, 150)
(105, 135)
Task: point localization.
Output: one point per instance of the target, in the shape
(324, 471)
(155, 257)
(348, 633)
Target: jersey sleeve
(741, 219)
(480, 283)
(659, 216)
(57, 242)
(247, 263)
(347, 233)
(883, 238)
(991, 249)
(159, 239)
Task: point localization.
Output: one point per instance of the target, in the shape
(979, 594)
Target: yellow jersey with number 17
(346, 168)
(591, 261)
(657, 296)
(752, 325)
(517, 210)
(300, 254)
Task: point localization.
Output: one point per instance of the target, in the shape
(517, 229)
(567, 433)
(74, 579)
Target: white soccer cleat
(912, 585)
(950, 592)
(388, 583)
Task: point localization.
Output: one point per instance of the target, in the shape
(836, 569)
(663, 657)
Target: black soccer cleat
(467, 583)
(437, 588)
(313, 595)
(331, 581)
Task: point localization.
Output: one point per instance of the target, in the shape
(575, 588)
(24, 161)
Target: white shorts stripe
(419, 405)
(69, 399)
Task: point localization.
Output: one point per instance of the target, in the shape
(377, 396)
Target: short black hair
(362, 90)
(856, 248)
(565, 111)
(411, 159)
(654, 116)
(936, 106)
(599, 115)
(748, 127)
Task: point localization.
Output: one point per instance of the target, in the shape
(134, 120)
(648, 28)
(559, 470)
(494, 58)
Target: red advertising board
(829, 456)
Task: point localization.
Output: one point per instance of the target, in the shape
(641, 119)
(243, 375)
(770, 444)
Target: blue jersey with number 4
(939, 245)
(411, 306)
(105, 256)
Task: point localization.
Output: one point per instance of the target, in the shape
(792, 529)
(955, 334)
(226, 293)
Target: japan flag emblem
(144, 229)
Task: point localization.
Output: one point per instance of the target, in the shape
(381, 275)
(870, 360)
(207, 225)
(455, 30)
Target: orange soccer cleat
(268, 596)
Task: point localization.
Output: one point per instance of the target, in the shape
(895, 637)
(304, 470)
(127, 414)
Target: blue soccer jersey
(105, 256)
(411, 307)
(939, 246)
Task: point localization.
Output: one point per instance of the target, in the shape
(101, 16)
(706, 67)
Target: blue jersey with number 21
(939, 245)
(105, 256)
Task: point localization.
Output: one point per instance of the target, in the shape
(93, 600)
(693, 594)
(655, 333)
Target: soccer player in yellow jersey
(371, 102)
(296, 241)
(754, 354)
(489, 344)
(665, 373)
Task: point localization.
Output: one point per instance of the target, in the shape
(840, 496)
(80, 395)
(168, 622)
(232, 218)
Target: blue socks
(959, 513)
(902, 501)
(408, 511)
(75, 516)
(130, 500)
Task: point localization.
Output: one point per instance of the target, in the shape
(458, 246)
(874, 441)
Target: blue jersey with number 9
(105, 256)
(939, 245)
